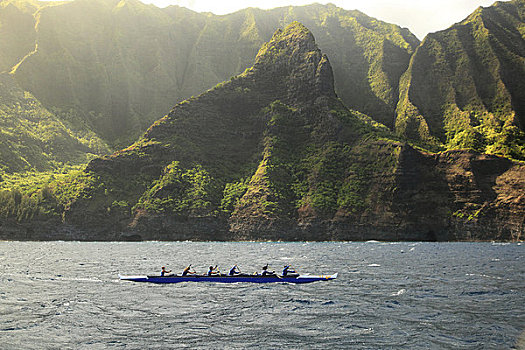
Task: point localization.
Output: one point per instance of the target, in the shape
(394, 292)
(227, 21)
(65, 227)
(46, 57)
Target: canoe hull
(230, 279)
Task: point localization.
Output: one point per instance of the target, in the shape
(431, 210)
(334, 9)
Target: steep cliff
(17, 31)
(465, 88)
(274, 154)
(123, 64)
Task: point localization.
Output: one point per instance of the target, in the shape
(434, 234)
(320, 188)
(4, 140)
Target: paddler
(265, 271)
(163, 271)
(234, 271)
(187, 271)
(213, 270)
(287, 270)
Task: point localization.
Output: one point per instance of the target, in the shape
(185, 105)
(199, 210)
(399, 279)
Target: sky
(420, 16)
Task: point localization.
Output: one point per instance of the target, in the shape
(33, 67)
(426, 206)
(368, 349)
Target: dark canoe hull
(231, 279)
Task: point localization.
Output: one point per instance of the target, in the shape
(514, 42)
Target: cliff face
(488, 195)
(123, 64)
(465, 88)
(453, 196)
(273, 154)
(17, 32)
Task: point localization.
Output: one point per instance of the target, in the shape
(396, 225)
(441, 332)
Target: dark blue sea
(67, 295)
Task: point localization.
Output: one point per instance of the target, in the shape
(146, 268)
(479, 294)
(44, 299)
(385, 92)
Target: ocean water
(66, 295)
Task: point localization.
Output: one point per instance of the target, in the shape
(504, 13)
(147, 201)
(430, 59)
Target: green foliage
(14, 204)
(340, 177)
(232, 194)
(465, 86)
(328, 167)
(75, 185)
(509, 143)
(468, 139)
(487, 133)
(180, 191)
(351, 196)
(33, 138)
(42, 195)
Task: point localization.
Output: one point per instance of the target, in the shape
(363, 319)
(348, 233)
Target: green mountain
(242, 148)
(465, 86)
(123, 64)
(273, 154)
(34, 138)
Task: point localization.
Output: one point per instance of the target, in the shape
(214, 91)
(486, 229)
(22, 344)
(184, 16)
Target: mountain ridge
(273, 154)
(464, 85)
(189, 58)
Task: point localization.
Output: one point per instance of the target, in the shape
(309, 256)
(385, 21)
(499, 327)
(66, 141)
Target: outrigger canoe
(230, 279)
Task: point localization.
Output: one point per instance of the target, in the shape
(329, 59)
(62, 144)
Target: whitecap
(374, 265)
(399, 292)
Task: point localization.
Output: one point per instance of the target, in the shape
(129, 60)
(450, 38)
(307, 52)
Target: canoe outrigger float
(295, 278)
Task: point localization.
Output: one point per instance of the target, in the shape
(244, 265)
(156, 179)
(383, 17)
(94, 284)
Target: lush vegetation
(236, 150)
(273, 143)
(178, 191)
(465, 87)
(34, 138)
(42, 195)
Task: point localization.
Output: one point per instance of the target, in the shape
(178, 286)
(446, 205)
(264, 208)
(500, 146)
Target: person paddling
(213, 271)
(163, 271)
(234, 271)
(287, 269)
(265, 271)
(187, 271)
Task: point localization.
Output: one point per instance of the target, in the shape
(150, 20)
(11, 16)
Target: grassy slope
(465, 85)
(34, 138)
